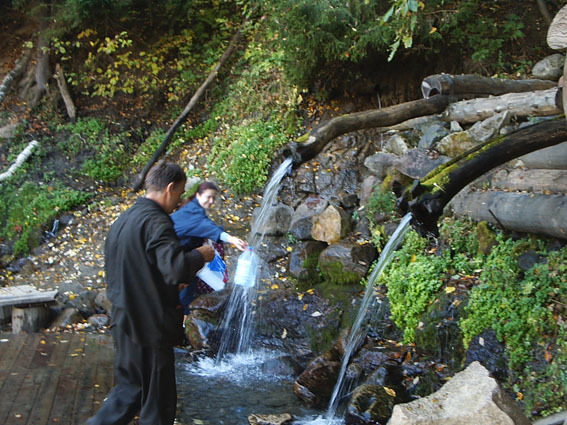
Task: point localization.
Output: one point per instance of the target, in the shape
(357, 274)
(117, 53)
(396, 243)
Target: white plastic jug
(246, 268)
(213, 273)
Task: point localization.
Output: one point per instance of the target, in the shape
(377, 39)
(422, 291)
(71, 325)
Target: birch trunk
(538, 103)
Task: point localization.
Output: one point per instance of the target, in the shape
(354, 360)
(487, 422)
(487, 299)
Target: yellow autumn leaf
(305, 307)
(300, 297)
(275, 286)
(450, 289)
(284, 333)
(390, 391)
(310, 291)
(289, 249)
(413, 258)
(432, 30)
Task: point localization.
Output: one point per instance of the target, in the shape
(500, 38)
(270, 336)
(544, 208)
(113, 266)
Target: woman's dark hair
(163, 173)
(206, 186)
(200, 189)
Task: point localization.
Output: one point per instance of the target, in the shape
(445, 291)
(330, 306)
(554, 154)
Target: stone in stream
(470, 397)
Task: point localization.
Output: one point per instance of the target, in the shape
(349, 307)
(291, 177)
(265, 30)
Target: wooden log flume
(477, 86)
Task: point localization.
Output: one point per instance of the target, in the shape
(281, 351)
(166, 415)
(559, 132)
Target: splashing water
(242, 384)
(237, 323)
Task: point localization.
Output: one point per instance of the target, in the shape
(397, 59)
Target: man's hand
(207, 252)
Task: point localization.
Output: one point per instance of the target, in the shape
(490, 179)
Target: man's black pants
(144, 382)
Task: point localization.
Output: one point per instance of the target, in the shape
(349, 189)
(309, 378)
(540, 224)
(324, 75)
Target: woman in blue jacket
(193, 227)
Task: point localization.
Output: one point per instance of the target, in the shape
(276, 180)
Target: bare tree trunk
(476, 86)
(539, 103)
(538, 180)
(14, 74)
(19, 160)
(327, 131)
(522, 212)
(196, 97)
(64, 89)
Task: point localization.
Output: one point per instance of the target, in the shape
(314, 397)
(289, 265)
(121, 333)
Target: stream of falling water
(356, 332)
(237, 323)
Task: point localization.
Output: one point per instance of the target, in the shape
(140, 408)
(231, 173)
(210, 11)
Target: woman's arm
(237, 242)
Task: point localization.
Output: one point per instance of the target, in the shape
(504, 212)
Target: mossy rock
(486, 238)
(335, 273)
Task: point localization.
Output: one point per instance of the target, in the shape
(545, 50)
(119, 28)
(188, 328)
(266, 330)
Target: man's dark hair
(163, 173)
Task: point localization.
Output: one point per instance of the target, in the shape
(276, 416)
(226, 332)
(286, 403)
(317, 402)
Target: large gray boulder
(380, 163)
(549, 68)
(470, 397)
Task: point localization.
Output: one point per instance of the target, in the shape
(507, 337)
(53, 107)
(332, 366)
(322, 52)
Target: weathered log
(477, 86)
(327, 131)
(19, 160)
(522, 212)
(412, 123)
(538, 103)
(427, 198)
(14, 74)
(64, 90)
(551, 158)
(545, 181)
(194, 99)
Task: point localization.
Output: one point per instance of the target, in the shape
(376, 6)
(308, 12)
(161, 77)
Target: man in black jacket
(145, 263)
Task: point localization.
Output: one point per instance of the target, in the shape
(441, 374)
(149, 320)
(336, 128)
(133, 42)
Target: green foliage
(108, 157)
(414, 277)
(547, 388)
(477, 27)
(243, 157)
(317, 36)
(413, 280)
(28, 208)
(83, 134)
(380, 203)
(525, 308)
(148, 147)
(255, 119)
(313, 34)
(518, 306)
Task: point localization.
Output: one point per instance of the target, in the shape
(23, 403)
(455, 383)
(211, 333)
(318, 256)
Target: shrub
(28, 208)
(243, 157)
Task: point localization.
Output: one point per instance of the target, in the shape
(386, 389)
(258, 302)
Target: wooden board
(53, 378)
(24, 294)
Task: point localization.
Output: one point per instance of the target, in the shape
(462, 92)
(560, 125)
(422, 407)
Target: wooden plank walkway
(58, 378)
(24, 294)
